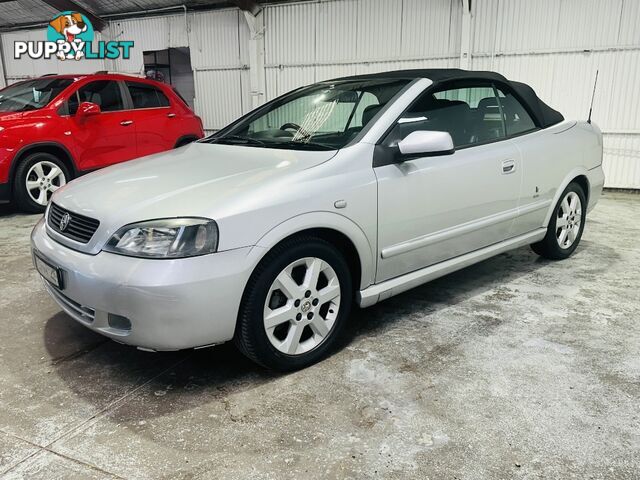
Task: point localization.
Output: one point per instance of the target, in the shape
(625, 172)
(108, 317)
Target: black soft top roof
(543, 114)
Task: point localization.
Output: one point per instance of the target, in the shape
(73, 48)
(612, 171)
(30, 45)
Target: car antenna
(593, 95)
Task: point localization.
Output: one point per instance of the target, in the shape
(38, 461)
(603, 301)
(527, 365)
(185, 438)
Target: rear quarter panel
(188, 124)
(551, 159)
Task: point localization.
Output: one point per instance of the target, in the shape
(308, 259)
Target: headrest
(369, 112)
(487, 102)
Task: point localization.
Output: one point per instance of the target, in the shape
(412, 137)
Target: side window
(105, 93)
(471, 115)
(146, 96)
(516, 118)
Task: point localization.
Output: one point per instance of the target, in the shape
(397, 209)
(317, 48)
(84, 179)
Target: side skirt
(381, 291)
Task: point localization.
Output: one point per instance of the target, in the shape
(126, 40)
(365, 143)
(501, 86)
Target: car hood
(9, 117)
(197, 180)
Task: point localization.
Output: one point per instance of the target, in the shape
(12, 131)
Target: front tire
(565, 226)
(295, 305)
(37, 177)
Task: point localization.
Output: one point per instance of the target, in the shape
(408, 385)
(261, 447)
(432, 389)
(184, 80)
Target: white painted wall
(556, 46)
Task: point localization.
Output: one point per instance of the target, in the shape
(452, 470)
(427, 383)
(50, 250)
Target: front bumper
(171, 304)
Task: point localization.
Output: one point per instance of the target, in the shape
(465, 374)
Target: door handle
(508, 166)
(171, 115)
(126, 123)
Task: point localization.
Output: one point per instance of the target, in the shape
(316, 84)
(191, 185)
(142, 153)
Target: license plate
(50, 273)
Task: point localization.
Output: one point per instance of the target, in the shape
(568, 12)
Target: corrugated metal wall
(217, 42)
(554, 45)
(313, 41)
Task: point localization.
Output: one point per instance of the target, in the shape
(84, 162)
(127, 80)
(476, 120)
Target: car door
(154, 117)
(433, 208)
(541, 171)
(104, 138)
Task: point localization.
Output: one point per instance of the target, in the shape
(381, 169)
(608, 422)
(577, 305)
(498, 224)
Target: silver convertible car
(347, 191)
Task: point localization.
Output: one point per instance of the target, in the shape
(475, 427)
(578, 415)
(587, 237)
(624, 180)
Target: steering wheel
(291, 126)
(301, 132)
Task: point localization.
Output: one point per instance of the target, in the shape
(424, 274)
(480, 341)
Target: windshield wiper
(237, 140)
(240, 140)
(304, 145)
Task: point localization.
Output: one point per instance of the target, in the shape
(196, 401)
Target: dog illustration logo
(72, 29)
(70, 36)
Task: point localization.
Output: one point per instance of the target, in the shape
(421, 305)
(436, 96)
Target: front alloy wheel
(44, 178)
(302, 306)
(37, 177)
(295, 304)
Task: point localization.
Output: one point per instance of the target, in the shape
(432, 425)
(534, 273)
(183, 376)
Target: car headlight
(166, 238)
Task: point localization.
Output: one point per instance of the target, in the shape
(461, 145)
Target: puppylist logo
(70, 36)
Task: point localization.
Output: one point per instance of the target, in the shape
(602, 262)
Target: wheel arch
(584, 183)
(336, 229)
(579, 175)
(52, 148)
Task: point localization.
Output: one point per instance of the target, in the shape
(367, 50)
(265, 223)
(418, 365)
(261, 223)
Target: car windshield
(325, 116)
(32, 94)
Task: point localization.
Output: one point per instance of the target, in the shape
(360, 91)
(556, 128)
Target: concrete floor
(514, 368)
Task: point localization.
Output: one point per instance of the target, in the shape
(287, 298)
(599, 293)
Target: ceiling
(17, 13)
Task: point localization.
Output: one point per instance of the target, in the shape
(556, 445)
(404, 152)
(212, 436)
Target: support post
(3, 78)
(257, 83)
(465, 36)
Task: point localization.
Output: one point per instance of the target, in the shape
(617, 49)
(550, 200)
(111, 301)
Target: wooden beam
(65, 5)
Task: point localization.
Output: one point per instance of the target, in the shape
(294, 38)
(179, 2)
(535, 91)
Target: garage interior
(517, 367)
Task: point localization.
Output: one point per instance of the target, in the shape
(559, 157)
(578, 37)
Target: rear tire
(295, 305)
(565, 226)
(37, 177)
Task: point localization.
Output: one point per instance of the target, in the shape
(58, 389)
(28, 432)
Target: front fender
(323, 219)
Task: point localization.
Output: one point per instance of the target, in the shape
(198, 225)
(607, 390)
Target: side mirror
(87, 109)
(426, 143)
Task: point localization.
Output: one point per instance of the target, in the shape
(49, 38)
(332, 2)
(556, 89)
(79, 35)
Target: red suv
(57, 127)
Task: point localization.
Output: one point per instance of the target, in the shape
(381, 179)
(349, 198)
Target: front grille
(79, 228)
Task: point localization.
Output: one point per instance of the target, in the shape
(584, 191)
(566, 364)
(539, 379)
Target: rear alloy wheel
(569, 220)
(565, 226)
(37, 177)
(295, 304)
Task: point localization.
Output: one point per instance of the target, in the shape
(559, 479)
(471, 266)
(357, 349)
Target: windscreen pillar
(465, 36)
(257, 84)
(3, 80)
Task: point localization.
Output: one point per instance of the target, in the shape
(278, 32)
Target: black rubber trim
(191, 138)
(5, 192)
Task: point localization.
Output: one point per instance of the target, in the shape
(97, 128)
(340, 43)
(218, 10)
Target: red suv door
(104, 138)
(155, 118)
